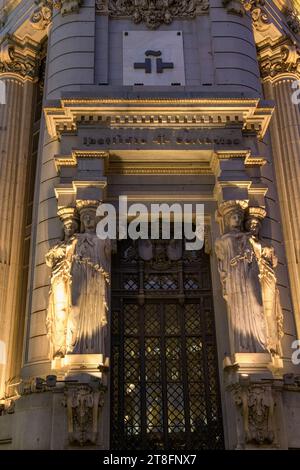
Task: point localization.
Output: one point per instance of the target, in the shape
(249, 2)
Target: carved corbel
(84, 403)
(256, 404)
(153, 14)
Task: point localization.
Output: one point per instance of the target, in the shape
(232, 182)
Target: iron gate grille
(165, 390)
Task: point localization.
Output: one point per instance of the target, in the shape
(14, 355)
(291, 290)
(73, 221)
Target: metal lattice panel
(165, 390)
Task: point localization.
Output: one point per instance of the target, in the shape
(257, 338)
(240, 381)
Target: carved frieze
(152, 12)
(18, 59)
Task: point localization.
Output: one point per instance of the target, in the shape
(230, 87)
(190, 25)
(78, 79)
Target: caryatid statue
(87, 325)
(267, 262)
(239, 275)
(59, 259)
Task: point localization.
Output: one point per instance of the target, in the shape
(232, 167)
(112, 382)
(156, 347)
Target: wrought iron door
(165, 390)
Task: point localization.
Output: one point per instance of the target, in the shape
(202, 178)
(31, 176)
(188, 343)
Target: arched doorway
(164, 384)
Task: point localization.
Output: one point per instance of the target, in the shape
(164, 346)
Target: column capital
(281, 59)
(19, 59)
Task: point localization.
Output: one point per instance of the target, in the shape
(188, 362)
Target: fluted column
(15, 125)
(279, 72)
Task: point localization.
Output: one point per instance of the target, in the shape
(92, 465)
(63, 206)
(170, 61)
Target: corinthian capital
(19, 59)
(281, 58)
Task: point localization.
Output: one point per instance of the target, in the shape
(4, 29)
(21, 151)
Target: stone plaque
(153, 58)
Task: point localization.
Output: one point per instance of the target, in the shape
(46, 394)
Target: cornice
(247, 114)
(20, 60)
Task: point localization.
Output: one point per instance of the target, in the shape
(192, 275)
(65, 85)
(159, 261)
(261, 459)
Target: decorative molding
(281, 58)
(20, 60)
(153, 13)
(84, 404)
(252, 115)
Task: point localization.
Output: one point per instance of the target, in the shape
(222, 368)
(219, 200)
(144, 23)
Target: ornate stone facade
(152, 13)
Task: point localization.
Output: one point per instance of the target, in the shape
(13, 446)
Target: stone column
(18, 72)
(280, 67)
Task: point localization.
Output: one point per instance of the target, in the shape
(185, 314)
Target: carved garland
(152, 12)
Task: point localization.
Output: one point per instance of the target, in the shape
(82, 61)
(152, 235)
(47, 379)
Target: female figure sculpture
(90, 278)
(59, 259)
(241, 288)
(267, 262)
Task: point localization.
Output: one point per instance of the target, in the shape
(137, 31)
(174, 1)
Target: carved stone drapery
(78, 296)
(59, 259)
(246, 268)
(283, 57)
(84, 404)
(256, 404)
(18, 59)
(152, 12)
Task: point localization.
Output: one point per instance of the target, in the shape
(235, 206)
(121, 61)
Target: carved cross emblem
(147, 65)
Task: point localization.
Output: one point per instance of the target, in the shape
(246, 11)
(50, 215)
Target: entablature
(247, 114)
